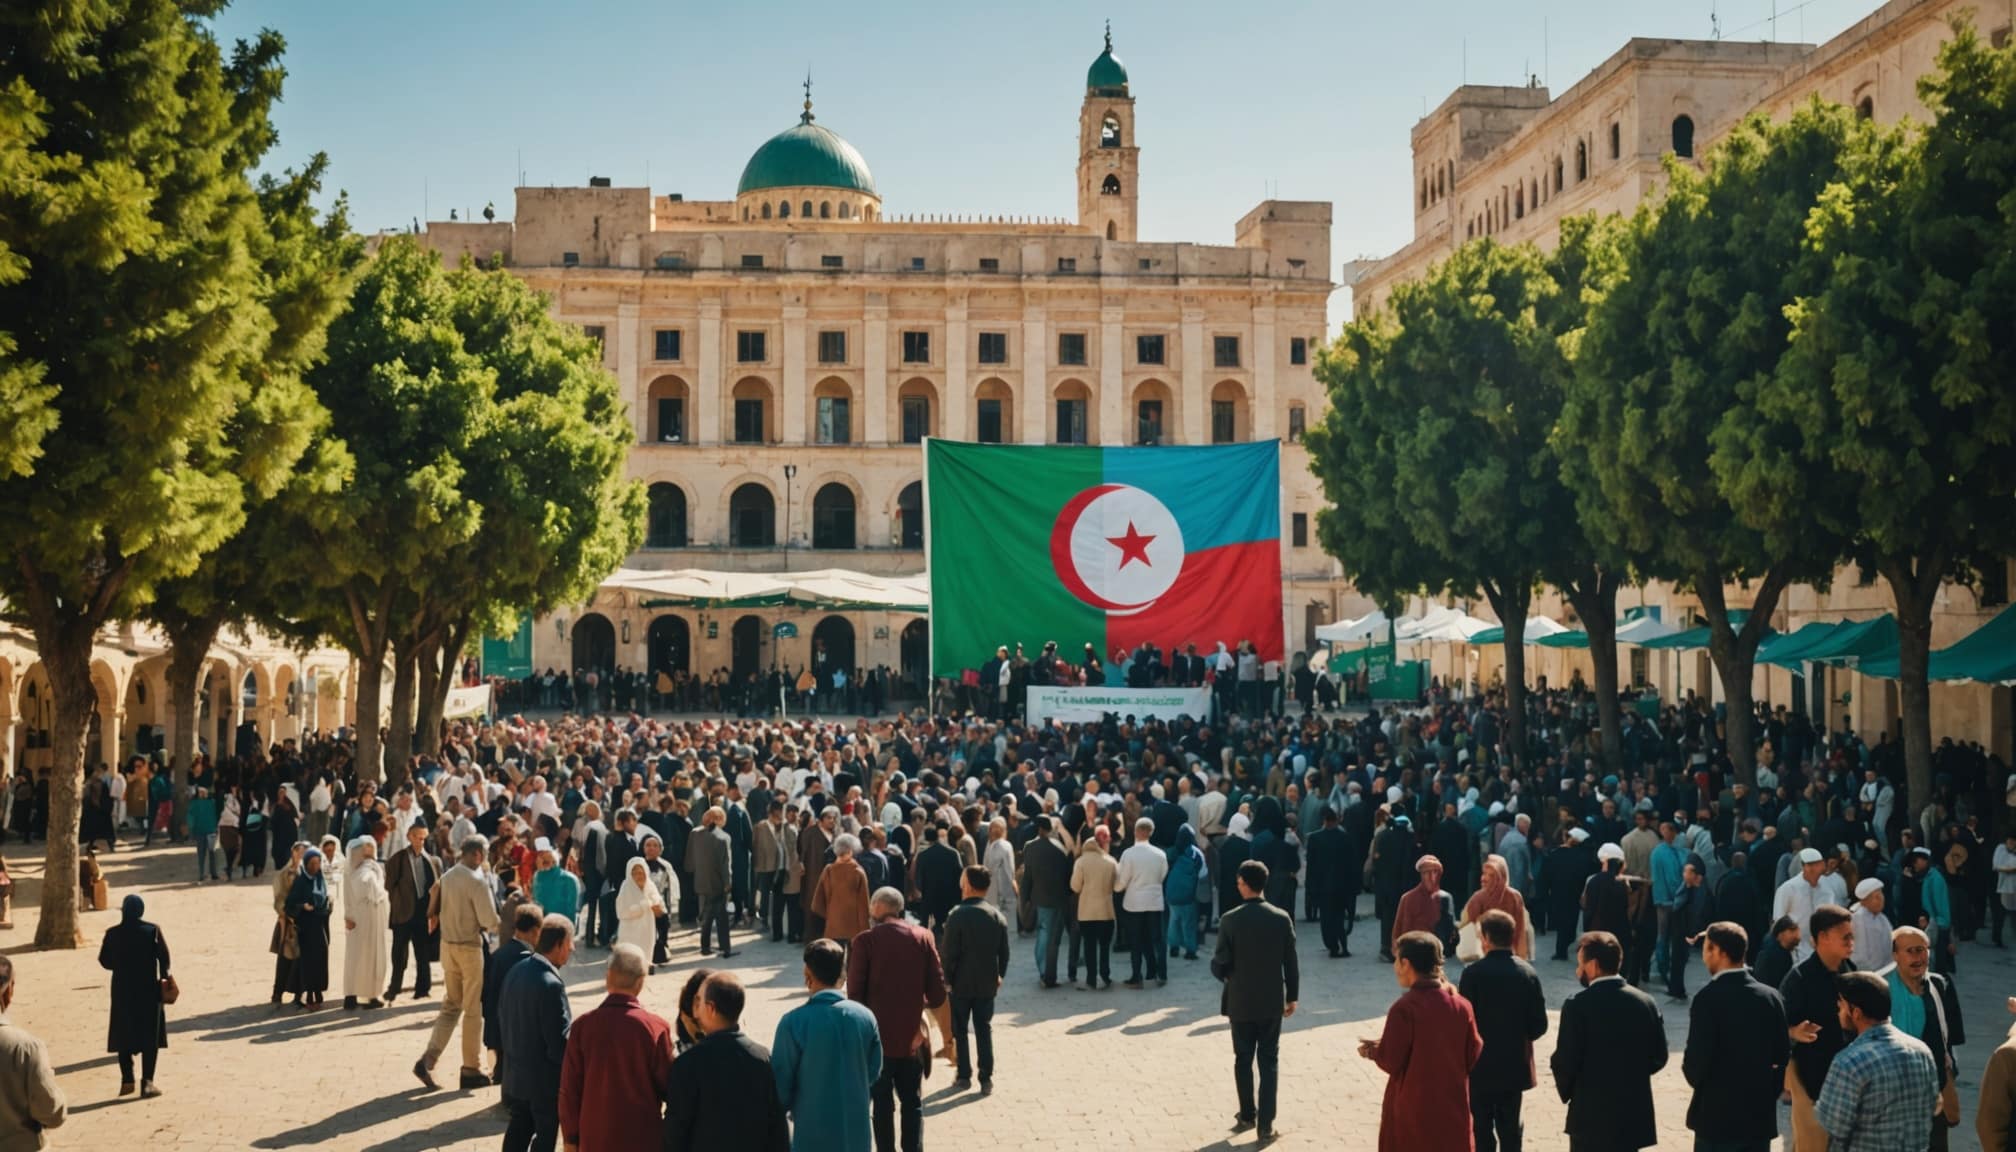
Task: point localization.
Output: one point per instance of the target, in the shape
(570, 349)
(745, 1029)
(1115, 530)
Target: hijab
(1237, 825)
(1495, 894)
(131, 909)
(309, 887)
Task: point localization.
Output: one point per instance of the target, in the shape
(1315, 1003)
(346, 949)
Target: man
(708, 859)
(1612, 1042)
(496, 966)
(722, 1092)
(1667, 862)
(813, 841)
(410, 876)
(30, 1099)
(937, 878)
(767, 863)
(618, 1064)
(1871, 927)
(1737, 1049)
(1393, 856)
(1606, 901)
(617, 849)
(1255, 960)
(1686, 918)
(1797, 897)
(1924, 1007)
(1812, 1007)
(1995, 1121)
(1568, 871)
(1883, 1086)
(1774, 959)
(1511, 1009)
(893, 968)
(1426, 907)
(462, 910)
(533, 1014)
(1333, 881)
(976, 960)
(826, 1057)
(1143, 868)
(1046, 884)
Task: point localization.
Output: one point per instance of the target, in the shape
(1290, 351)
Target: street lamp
(790, 471)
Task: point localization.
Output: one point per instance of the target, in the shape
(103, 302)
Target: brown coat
(842, 898)
(812, 844)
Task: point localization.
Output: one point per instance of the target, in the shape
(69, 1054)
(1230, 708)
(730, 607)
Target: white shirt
(402, 819)
(1836, 889)
(542, 803)
(1872, 938)
(1142, 870)
(2005, 870)
(319, 798)
(1797, 899)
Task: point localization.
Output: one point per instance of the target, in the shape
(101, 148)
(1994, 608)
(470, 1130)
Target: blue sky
(959, 108)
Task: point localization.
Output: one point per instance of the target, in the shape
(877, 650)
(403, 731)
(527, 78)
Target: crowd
(906, 856)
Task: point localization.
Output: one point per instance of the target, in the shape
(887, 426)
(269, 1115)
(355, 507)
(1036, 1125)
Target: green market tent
(1573, 638)
(1788, 649)
(1853, 641)
(1987, 655)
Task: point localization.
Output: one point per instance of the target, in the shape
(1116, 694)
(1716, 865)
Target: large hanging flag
(1112, 547)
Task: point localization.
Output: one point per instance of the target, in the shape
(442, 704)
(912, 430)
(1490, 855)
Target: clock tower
(1109, 164)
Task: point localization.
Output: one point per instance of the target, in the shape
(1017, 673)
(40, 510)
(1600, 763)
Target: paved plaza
(1076, 1069)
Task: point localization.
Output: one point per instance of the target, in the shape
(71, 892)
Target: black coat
(1735, 1060)
(1256, 960)
(496, 966)
(938, 869)
(975, 950)
(1569, 868)
(136, 954)
(1809, 994)
(1611, 1043)
(723, 1094)
(1606, 905)
(1332, 871)
(1505, 995)
(1047, 874)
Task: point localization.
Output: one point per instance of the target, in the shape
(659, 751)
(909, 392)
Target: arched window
(825, 209)
(913, 407)
(665, 524)
(805, 211)
(1111, 186)
(766, 211)
(1557, 174)
(833, 517)
(1616, 140)
(910, 516)
(745, 213)
(752, 518)
(1109, 131)
(1581, 161)
(1519, 203)
(1452, 175)
(1683, 136)
(1865, 108)
(1112, 230)
(784, 210)
(1424, 192)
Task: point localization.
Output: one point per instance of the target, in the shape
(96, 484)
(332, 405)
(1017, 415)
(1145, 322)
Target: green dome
(1107, 76)
(807, 156)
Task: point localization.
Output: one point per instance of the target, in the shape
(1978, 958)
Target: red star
(1133, 546)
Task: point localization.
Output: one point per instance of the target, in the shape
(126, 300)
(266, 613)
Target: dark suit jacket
(1735, 1059)
(533, 1018)
(938, 869)
(496, 966)
(1256, 960)
(409, 901)
(1511, 1010)
(1332, 872)
(1048, 871)
(975, 950)
(724, 1095)
(1611, 1043)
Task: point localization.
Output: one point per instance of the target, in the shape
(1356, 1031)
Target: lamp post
(790, 471)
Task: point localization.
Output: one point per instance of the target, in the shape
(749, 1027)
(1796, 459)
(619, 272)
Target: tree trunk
(399, 738)
(428, 706)
(1510, 603)
(434, 702)
(1734, 652)
(1914, 588)
(370, 716)
(188, 653)
(1597, 605)
(70, 684)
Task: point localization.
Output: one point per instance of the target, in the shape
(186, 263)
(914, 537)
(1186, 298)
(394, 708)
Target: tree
(1891, 419)
(129, 227)
(1672, 361)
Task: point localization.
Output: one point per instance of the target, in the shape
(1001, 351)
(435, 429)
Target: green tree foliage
(131, 298)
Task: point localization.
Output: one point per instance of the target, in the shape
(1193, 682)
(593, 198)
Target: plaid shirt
(1880, 1093)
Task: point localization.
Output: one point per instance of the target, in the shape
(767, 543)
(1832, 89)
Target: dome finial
(1109, 34)
(807, 117)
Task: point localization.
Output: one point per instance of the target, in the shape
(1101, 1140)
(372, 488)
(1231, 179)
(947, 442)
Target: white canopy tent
(1441, 625)
(1370, 626)
(1643, 630)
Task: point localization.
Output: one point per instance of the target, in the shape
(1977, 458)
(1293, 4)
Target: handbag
(1469, 943)
(170, 990)
(290, 944)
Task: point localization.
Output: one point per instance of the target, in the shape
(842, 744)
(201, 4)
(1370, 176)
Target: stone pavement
(1075, 1069)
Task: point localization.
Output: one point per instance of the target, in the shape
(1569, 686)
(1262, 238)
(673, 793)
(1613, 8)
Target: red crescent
(1060, 549)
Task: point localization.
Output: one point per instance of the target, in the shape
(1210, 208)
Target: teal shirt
(1938, 905)
(556, 890)
(1907, 1008)
(826, 1055)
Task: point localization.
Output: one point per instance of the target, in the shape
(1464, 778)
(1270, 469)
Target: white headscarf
(1237, 825)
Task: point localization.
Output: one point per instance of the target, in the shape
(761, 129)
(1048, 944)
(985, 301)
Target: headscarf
(350, 854)
(131, 909)
(1494, 893)
(1420, 908)
(1238, 824)
(308, 888)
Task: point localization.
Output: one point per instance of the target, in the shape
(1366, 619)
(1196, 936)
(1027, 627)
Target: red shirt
(613, 1078)
(893, 968)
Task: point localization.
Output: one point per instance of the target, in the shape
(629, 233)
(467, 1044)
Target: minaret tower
(1109, 164)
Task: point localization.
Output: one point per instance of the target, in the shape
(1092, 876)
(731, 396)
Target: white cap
(1578, 835)
(1497, 809)
(1863, 889)
(1609, 852)
(542, 844)
(1809, 856)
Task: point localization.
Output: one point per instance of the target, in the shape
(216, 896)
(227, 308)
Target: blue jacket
(1667, 862)
(533, 1018)
(827, 1054)
(1186, 868)
(203, 816)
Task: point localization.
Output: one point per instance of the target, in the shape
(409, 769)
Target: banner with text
(467, 702)
(1088, 705)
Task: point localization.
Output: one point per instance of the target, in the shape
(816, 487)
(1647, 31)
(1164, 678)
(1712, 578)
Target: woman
(1179, 892)
(97, 817)
(136, 954)
(1427, 1050)
(283, 884)
(308, 907)
(284, 828)
(1493, 891)
(638, 905)
(367, 913)
(553, 887)
(842, 893)
(229, 814)
(252, 829)
(1092, 876)
(686, 1026)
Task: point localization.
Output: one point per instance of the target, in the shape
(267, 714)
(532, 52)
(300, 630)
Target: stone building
(1511, 162)
(785, 353)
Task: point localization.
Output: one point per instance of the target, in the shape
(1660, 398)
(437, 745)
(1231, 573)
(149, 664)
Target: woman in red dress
(1427, 1050)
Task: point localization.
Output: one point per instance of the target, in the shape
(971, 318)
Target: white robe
(367, 951)
(637, 913)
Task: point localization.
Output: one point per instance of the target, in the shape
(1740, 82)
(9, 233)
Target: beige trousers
(461, 997)
(1807, 1134)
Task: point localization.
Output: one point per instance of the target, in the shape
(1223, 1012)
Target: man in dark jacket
(1255, 959)
(937, 878)
(1736, 1047)
(709, 858)
(1612, 1042)
(410, 876)
(1393, 856)
(1333, 882)
(1046, 870)
(498, 965)
(617, 849)
(1569, 868)
(1813, 1010)
(975, 954)
(533, 1015)
(893, 968)
(1504, 993)
(723, 1093)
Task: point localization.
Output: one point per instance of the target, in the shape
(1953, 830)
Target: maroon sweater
(613, 1078)
(893, 968)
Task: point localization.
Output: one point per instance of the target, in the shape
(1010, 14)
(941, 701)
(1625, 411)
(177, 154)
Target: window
(989, 264)
(1557, 174)
(1148, 350)
(1999, 38)
(833, 517)
(1070, 348)
(1641, 665)
(749, 420)
(666, 343)
(1109, 131)
(1616, 140)
(752, 260)
(784, 210)
(832, 262)
(1298, 423)
(990, 422)
(1995, 581)
(825, 210)
(1224, 421)
(1110, 187)
(749, 347)
(1865, 109)
(675, 259)
(916, 347)
(805, 210)
(752, 517)
(569, 259)
(1067, 263)
(1683, 135)
(834, 427)
(1581, 161)
(1148, 422)
(1299, 529)
(665, 522)
(916, 263)
(1298, 350)
(671, 420)
(1070, 421)
(832, 347)
(597, 333)
(1225, 351)
(1144, 264)
(993, 347)
(916, 419)
(766, 211)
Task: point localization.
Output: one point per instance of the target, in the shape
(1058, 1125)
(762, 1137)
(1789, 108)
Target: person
(1047, 885)
(1736, 1051)
(31, 1102)
(1813, 1009)
(894, 969)
(1505, 996)
(136, 954)
(410, 876)
(1427, 1049)
(1334, 877)
(525, 921)
(462, 910)
(618, 1066)
(827, 1055)
(283, 926)
(1994, 1119)
(1798, 896)
(1774, 960)
(638, 904)
(553, 886)
(1495, 891)
(999, 858)
(1612, 1041)
(1092, 879)
(308, 904)
(1143, 867)
(841, 901)
(533, 1017)
(937, 871)
(1883, 1086)
(976, 961)
(1923, 1006)
(665, 878)
(709, 861)
(367, 913)
(1255, 961)
(1425, 907)
(1187, 873)
(1686, 918)
(723, 1093)
(1871, 927)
